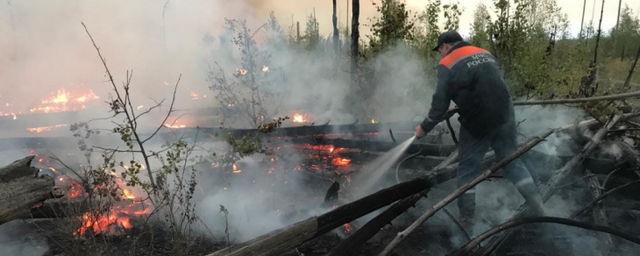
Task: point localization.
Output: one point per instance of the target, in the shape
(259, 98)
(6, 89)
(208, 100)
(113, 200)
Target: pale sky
(286, 10)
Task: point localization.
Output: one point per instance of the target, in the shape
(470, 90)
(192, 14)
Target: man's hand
(419, 132)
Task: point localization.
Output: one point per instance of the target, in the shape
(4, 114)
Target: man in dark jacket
(470, 77)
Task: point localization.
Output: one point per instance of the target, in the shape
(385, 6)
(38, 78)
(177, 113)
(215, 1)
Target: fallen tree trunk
(20, 189)
(283, 240)
(350, 245)
(551, 185)
(458, 192)
(579, 100)
(17, 169)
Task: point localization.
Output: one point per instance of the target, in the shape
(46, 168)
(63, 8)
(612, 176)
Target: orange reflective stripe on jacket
(458, 54)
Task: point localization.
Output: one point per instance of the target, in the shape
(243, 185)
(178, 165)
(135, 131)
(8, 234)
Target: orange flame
(64, 101)
(43, 129)
(347, 228)
(235, 168)
(300, 117)
(119, 217)
(341, 162)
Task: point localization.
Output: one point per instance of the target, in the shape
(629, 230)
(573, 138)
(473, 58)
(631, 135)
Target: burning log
(283, 240)
(355, 241)
(20, 189)
(458, 192)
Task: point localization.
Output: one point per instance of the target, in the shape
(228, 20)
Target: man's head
(446, 40)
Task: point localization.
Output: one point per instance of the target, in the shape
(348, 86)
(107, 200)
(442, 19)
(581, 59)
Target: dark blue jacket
(470, 77)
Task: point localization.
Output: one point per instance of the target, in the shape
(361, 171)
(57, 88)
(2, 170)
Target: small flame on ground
(347, 228)
(43, 129)
(341, 162)
(175, 126)
(235, 168)
(300, 117)
(64, 101)
(119, 217)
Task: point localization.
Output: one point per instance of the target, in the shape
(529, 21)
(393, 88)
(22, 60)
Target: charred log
(280, 241)
(355, 241)
(20, 189)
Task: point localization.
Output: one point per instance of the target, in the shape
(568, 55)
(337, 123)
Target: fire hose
(448, 116)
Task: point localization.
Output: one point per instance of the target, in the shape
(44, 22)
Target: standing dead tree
(355, 38)
(336, 33)
(589, 83)
(627, 81)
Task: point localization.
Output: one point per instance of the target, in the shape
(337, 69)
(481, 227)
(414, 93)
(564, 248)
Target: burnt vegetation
(156, 189)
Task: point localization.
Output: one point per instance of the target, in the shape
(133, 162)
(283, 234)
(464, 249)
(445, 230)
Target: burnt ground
(437, 237)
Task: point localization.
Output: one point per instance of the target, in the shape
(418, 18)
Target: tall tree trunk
(595, 54)
(355, 37)
(584, 5)
(618, 17)
(336, 35)
(633, 67)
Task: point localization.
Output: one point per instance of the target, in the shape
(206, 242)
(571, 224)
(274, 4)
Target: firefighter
(470, 77)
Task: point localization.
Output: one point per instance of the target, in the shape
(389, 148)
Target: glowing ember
(128, 194)
(235, 168)
(300, 117)
(64, 101)
(75, 191)
(117, 219)
(44, 128)
(196, 96)
(175, 126)
(326, 148)
(347, 228)
(341, 162)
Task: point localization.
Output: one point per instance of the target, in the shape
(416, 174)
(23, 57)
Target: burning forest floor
(310, 171)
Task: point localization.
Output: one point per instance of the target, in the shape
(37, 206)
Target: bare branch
(150, 109)
(173, 100)
(519, 222)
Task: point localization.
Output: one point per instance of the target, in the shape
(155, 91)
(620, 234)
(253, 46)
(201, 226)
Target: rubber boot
(466, 208)
(529, 191)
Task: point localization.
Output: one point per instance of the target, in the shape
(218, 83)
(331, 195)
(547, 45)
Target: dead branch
(579, 100)
(558, 176)
(627, 81)
(458, 192)
(576, 161)
(599, 215)
(350, 245)
(564, 221)
(601, 197)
